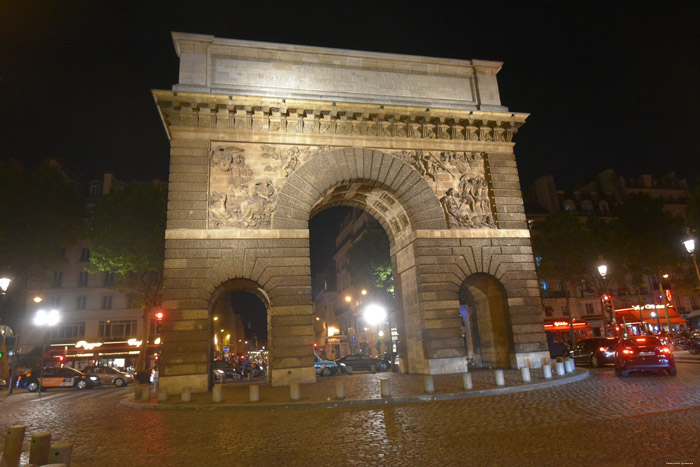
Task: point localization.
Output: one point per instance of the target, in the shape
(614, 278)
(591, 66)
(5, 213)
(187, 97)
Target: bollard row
(41, 451)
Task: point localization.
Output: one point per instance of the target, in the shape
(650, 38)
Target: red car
(643, 353)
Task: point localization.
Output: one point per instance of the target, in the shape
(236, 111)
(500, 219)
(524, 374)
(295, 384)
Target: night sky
(608, 84)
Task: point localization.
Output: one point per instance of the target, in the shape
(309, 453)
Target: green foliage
(646, 237)
(127, 237)
(692, 212)
(40, 210)
(565, 246)
(370, 262)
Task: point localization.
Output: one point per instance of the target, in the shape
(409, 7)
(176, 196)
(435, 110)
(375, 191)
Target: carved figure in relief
(222, 159)
(470, 207)
(427, 164)
(217, 206)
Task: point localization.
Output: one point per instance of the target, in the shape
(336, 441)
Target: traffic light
(159, 320)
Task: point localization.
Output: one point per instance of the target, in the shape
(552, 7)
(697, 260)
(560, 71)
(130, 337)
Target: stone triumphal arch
(263, 136)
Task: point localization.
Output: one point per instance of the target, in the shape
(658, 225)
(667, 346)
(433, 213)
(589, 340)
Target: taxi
(52, 377)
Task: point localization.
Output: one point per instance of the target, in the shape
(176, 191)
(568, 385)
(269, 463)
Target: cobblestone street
(646, 419)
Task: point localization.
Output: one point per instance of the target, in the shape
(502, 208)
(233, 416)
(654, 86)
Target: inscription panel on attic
(245, 180)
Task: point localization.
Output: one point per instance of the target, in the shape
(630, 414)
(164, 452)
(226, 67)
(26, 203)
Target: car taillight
(602, 349)
(628, 351)
(19, 378)
(666, 350)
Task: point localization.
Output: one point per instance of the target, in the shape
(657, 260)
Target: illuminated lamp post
(654, 314)
(375, 314)
(665, 302)
(46, 320)
(4, 367)
(603, 271)
(690, 248)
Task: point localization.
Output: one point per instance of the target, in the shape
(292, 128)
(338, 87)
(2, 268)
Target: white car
(109, 375)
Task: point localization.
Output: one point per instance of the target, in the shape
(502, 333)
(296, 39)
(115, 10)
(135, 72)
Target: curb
(358, 402)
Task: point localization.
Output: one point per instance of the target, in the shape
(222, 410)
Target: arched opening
(351, 267)
(239, 327)
(486, 324)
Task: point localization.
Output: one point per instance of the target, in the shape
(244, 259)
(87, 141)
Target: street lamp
(375, 314)
(603, 271)
(690, 248)
(45, 319)
(4, 368)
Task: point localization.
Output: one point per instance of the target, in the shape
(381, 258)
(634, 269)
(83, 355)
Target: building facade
(97, 325)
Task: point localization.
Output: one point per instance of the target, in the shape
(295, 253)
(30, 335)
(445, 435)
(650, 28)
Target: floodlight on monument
(603, 270)
(689, 245)
(4, 284)
(374, 314)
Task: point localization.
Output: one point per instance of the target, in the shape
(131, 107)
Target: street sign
(226, 349)
(353, 340)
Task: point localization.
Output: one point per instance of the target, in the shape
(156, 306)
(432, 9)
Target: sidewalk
(361, 389)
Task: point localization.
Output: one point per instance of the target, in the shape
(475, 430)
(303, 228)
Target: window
(109, 278)
(124, 328)
(55, 302)
(590, 310)
(69, 331)
(85, 255)
(82, 302)
(83, 279)
(57, 280)
(61, 253)
(94, 190)
(107, 302)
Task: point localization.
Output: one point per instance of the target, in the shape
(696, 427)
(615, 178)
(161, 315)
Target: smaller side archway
(230, 319)
(486, 321)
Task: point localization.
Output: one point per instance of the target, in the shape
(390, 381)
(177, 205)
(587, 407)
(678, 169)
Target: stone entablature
(297, 117)
(227, 66)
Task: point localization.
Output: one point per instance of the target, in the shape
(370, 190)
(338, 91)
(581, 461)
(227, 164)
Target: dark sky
(608, 84)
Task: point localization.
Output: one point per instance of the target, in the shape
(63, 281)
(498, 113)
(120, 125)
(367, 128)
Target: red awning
(632, 316)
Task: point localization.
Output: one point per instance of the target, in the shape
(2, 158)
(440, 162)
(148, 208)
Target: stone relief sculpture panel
(462, 176)
(245, 181)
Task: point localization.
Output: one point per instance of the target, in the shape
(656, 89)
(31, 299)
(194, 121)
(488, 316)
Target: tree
(39, 211)
(370, 263)
(647, 238)
(567, 252)
(127, 237)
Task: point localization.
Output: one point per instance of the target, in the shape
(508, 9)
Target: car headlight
(342, 364)
(94, 378)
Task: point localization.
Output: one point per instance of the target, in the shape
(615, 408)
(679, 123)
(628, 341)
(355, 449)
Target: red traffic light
(160, 315)
(606, 298)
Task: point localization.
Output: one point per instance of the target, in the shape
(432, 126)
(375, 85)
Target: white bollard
(339, 390)
(146, 393)
(13, 446)
(545, 361)
(429, 384)
(294, 391)
(61, 453)
(525, 373)
(40, 448)
(254, 393)
(162, 394)
(467, 381)
(560, 368)
(216, 395)
(547, 371)
(569, 365)
(500, 379)
(386, 387)
(186, 394)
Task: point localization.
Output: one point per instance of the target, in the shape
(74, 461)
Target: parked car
(325, 367)
(364, 362)
(3, 383)
(594, 351)
(644, 353)
(109, 375)
(56, 378)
